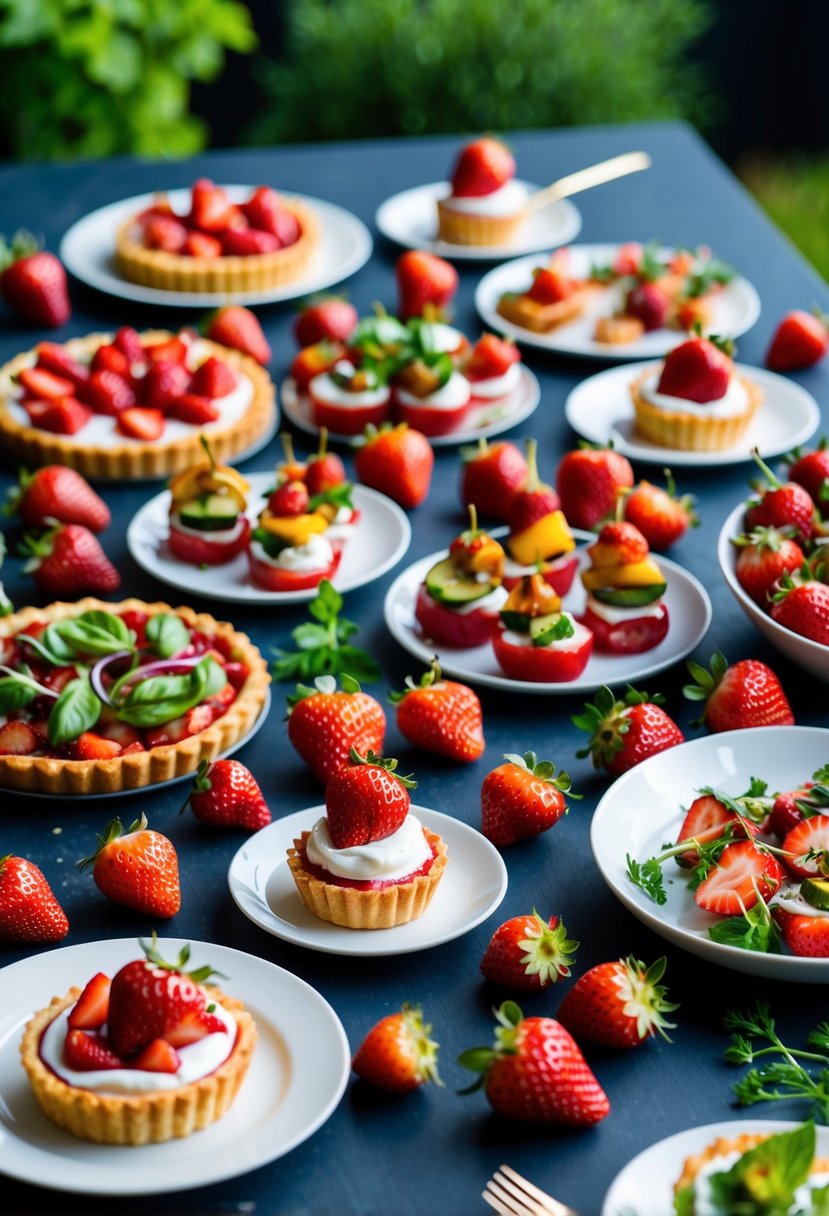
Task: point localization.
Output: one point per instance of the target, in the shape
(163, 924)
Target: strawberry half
(92, 1008)
(742, 875)
(807, 847)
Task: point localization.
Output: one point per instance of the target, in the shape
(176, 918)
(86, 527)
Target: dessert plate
(411, 219)
(288, 1093)
(87, 251)
(811, 656)
(686, 599)
(600, 408)
(646, 1185)
(480, 423)
(380, 539)
(643, 809)
(734, 310)
(472, 887)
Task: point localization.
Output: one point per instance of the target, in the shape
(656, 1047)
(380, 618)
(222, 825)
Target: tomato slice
(554, 664)
(632, 636)
(446, 625)
(274, 578)
(201, 551)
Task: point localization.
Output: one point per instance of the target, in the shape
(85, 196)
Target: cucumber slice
(816, 892)
(629, 597)
(446, 585)
(554, 627)
(210, 513)
(519, 621)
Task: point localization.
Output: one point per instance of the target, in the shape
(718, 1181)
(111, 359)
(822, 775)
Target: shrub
(795, 193)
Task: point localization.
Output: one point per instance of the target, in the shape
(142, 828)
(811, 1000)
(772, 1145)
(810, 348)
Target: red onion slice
(97, 671)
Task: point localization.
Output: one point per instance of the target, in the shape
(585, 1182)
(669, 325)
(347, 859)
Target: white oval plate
(643, 809)
(472, 887)
(380, 540)
(600, 408)
(289, 1092)
(481, 423)
(734, 310)
(810, 655)
(688, 606)
(411, 219)
(646, 1185)
(87, 251)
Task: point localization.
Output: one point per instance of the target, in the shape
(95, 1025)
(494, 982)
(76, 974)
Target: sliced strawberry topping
(87, 1053)
(158, 1056)
(90, 746)
(18, 739)
(742, 873)
(92, 1008)
(44, 385)
(807, 846)
(142, 423)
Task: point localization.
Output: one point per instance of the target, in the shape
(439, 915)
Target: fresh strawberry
(744, 694)
(492, 474)
(425, 282)
(331, 319)
(648, 303)
(213, 378)
(705, 820)
(491, 357)
(398, 1054)
(521, 798)
(164, 383)
(324, 724)
(550, 285)
(157, 1056)
(806, 936)
(239, 328)
(482, 167)
(33, 282)
(53, 357)
(803, 607)
(535, 1072)
(743, 874)
(312, 361)
(198, 411)
(194, 1025)
(262, 209)
(202, 245)
(29, 911)
(588, 481)
(811, 470)
(64, 417)
(137, 868)
(168, 350)
(527, 953)
(628, 258)
(141, 422)
(618, 1004)
(68, 561)
(108, 358)
(534, 499)
(807, 847)
(109, 393)
(763, 556)
(781, 505)
(366, 800)
(793, 806)
(165, 232)
(88, 1053)
(291, 498)
(211, 209)
(660, 515)
(44, 385)
(92, 1007)
(247, 242)
(286, 227)
(624, 733)
(397, 461)
(800, 340)
(128, 341)
(18, 739)
(697, 370)
(619, 543)
(225, 794)
(90, 746)
(440, 716)
(324, 469)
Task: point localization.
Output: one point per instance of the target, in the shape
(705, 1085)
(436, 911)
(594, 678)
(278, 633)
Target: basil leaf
(15, 693)
(214, 678)
(77, 709)
(167, 634)
(50, 646)
(96, 633)
(160, 688)
(159, 699)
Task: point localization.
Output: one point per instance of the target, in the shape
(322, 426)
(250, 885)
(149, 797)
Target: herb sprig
(323, 645)
(785, 1073)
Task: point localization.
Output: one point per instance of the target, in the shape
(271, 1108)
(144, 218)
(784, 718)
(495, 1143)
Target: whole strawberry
(425, 282)
(803, 607)
(800, 340)
(747, 693)
(56, 492)
(522, 798)
(331, 319)
(68, 561)
(618, 1004)
(324, 723)
(535, 1072)
(698, 370)
(239, 328)
(660, 515)
(781, 505)
(440, 716)
(589, 481)
(397, 461)
(764, 556)
(225, 794)
(366, 800)
(527, 953)
(33, 282)
(29, 911)
(397, 1054)
(492, 474)
(811, 470)
(626, 732)
(482, 166)
(137, 868)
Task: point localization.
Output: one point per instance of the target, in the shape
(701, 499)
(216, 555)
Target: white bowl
(812, 656)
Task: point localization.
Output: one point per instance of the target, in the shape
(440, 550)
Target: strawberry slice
(109, 393)
(806, 936)
(44, 385)
(705, 821)
(211, 209)
(733, 884)
(53, 357)
(201, 245)
(193, 409)
(87, 1053)
(128, 341)
(132, 748)
(18, 739)
(195, 1025)
(90, 746)
(213, 378)
(139, 422)
(164, 232)
(171, 350)
(64, 417)
(158, 1056)
(92, 1008)
(164, 383)
(809, 837)
(244, 242)
(110, 358)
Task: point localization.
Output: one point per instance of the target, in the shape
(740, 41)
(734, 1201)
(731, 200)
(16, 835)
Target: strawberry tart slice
(486, 205)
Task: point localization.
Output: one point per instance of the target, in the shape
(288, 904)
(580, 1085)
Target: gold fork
(512, 1195)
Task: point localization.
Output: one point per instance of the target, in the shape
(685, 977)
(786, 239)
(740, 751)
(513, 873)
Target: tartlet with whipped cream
(486, 205)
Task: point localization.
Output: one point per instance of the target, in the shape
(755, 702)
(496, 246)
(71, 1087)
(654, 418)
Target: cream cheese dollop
(506, 200)
(391, 858)
(733, 403)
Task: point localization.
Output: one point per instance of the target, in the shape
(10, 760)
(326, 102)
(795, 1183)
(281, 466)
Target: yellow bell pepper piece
(203, 479)
(548, 537)
(635, 574)
(293, 529)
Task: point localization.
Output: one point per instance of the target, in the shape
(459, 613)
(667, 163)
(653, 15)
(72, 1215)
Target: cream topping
(393, 857)
(498, 386)
(315, 554)
(733, 403)
(615, 616)
(506, 200)
(454, 394)
(580, 635)
(439, 338)
(222, 536)
(790, 899)
(325, 388)
(493, 602)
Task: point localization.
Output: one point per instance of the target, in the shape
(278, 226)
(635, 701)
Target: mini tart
(688, 430)
(379, 909)
(542, 318)
(254, 272)
(48, 775)
(465, 228)
(130, 458)
(141, 1118)
(723, 1147)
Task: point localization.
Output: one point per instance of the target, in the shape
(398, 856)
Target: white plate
(411, 219)
(643, 810)
(380, 539)
(88, 247)
(812, 656)
(480, 423)
(733, 310)
(472, 887)
(646, 1185)
(686, 599)
(291, 1089)
(600, 408)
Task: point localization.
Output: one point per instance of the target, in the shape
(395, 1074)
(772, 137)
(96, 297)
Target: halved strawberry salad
(758, 862)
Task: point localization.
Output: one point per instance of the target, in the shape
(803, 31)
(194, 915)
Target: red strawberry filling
(372, 884)
(214, 226)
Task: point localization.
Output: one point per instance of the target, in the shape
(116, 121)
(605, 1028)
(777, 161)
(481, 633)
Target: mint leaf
(754, 930)
(764, 1179)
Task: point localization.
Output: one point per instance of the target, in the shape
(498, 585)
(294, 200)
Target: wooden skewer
(585, 179)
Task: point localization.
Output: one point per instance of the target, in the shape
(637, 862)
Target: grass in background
(795, 193)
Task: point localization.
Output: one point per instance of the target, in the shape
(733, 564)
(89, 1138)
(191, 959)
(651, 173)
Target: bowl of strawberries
(773, 551)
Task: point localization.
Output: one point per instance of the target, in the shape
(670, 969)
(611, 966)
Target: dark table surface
(433, 1151)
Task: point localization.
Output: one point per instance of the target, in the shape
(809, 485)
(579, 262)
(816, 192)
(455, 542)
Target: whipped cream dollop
(493, 602)
(497, 386)
(386, 860)
(614, 616)
(315, 554)
(326, 389)
(198, 1060)
(219, 536)
(450, 396)
(734, 402)
(439, 338)
(580, 636)
(506, 200)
